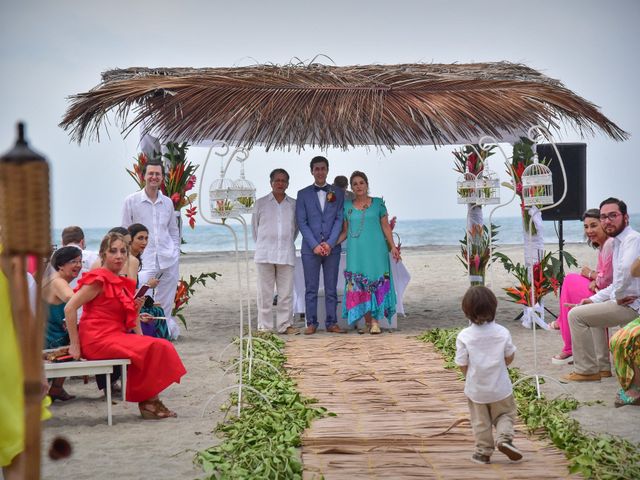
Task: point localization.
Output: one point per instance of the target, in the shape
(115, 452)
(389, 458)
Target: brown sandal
(155, 410)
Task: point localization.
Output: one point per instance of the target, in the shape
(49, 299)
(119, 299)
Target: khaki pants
(502, 414)
(589, 341)
(280, 276)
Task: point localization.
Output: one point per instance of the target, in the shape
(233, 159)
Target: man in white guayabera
(154, 210)
(274, 231)
(618, 304)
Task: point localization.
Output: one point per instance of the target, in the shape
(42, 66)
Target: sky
(51, 50)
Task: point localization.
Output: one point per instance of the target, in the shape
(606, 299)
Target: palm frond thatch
(323, 106)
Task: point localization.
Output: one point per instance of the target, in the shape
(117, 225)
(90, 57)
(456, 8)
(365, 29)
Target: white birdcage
(487, 188)
(537, 185)
(466, 188)
(222, 198)
(245, 191)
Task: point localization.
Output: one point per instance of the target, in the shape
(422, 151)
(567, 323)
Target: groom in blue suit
(319, 217)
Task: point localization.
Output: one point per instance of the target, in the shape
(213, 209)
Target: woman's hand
(395, 253)
(592, 286)
(138, 302)
(586, 272)
(74, 351)
(153, 282)
(146, 318)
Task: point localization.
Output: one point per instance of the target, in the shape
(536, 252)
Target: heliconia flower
(392, 223)
(476, 261)
(175, 198)
(190, 183)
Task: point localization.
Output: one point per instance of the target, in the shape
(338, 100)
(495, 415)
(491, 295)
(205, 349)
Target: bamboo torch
(25, 230)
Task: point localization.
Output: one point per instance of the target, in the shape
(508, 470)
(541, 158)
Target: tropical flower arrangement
(547, 277)
(480, 242)
(522, 157)
(468, 161)
(185, 291)
(179, 179)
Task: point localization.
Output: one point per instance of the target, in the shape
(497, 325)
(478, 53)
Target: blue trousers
(311, 265)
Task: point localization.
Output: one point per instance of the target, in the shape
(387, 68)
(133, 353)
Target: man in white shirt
(274, 231)
(618, 304)
(154, 210)
(73, 236)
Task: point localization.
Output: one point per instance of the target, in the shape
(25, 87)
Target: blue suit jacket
(315, 225)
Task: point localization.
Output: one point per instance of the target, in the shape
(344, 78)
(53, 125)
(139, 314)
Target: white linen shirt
(483, 349)
(626, 249)
(160, 219)
(274, 230)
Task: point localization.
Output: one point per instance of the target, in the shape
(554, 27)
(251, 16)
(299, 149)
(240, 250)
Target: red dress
(103, 328)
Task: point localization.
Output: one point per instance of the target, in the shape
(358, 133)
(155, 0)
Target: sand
(133, 448)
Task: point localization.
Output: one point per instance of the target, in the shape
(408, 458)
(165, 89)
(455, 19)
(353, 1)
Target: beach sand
(133, 448)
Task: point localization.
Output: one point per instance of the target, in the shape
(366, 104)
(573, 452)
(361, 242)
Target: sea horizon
(412, 233)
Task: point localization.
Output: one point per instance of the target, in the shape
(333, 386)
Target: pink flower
(190, 183)
(476, 261)
(392, 223)
(175, 198)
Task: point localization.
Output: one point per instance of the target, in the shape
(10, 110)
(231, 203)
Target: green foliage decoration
(264, 441)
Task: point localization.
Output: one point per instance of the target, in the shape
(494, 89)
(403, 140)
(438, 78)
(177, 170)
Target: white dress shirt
(274, 230)
(159, 217)
(322, 195)
(483, 349)
(626, 249)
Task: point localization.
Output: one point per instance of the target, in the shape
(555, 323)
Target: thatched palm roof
(323, 106)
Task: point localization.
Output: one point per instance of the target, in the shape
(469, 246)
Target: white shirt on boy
(483, 349)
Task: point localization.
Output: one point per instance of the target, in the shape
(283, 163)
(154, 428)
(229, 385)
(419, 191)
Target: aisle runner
(394, 399)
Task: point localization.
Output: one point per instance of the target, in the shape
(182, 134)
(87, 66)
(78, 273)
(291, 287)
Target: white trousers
(165, 292)
(281, 277)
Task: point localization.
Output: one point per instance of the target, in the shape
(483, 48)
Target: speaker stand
(561, 248)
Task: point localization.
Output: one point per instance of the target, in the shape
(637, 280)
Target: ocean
(413, 233)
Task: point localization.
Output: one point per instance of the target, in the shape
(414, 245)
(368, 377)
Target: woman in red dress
(109, 312)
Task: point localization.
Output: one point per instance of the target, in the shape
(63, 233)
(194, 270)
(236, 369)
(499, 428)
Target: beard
(615, 231)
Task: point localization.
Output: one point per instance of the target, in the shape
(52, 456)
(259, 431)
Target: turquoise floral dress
(368, 281)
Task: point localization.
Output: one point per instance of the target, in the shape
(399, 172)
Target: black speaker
(574, 158)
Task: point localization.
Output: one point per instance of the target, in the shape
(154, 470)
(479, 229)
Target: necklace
(352, 232)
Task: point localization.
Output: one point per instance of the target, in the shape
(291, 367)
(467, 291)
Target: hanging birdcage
(466, 188)
(487, 188)
(245, 191)
(222, 198)
(537, 185)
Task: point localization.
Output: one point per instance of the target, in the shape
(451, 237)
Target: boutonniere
(331, 196)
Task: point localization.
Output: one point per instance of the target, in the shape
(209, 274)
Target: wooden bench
(91, 367)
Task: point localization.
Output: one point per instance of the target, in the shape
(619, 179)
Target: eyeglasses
(77, 261)
(611, 216)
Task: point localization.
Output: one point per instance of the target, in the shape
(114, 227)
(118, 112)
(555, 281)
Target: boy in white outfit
(483, 351)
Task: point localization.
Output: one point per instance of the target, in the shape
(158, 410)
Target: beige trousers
(588, 338)
(281, 277)
(484, 416)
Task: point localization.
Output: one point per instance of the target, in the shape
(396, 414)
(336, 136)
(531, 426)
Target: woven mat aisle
(394, 399)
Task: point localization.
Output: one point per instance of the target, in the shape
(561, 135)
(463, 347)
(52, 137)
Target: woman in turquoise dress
(369, 290)
(56, 292)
